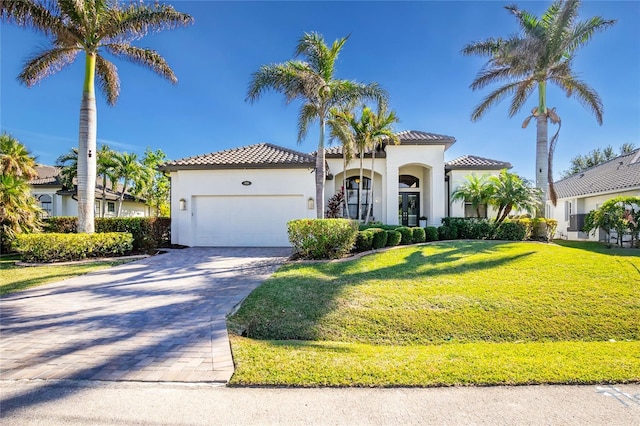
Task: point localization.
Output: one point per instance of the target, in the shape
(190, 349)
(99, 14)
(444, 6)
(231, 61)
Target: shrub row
(148, 233)
(376, 238)
(53, 247)
(516, 229)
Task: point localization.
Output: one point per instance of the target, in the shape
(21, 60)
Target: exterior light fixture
(310, 203)
(183, 204)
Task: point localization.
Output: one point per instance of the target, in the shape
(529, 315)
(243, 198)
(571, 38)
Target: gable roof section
(258, 156)
(473, 162)
(407, 137)
(47, 175)
(621, 173)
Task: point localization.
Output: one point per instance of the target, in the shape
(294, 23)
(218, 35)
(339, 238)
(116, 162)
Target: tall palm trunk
(360, 185)
(320, 172)
(87, 152)
(121, 198)
(542, 156)
(345, 199)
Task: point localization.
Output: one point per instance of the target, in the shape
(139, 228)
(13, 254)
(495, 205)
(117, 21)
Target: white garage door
(245, 221)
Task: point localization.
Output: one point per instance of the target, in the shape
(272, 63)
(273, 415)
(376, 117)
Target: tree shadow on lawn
(298, 304)
(132, 322)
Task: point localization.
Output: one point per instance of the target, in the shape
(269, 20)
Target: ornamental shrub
(446, 232)
(418, 235)
(322, 238)
(407, 234)
(379, 238)
(431, 233)
(511, 231)
(479, 229)
(60, 224)
(393, 238)
(364, 241)
(56, 247)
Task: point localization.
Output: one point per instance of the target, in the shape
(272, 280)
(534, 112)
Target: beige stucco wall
(189, 184)
(457, 178)
(580, 205)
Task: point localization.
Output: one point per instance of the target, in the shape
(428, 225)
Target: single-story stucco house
(56, 200)
(586, 191)
(245, 196)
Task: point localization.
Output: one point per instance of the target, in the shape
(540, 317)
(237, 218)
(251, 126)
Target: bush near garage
(379, 238)
(322, 238)
(56, 247)
(364, 241)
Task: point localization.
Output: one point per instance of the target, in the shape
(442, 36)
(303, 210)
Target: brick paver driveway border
(156, 319)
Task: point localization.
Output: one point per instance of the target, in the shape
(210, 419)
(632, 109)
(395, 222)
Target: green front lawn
(465, 312)
(16, 278)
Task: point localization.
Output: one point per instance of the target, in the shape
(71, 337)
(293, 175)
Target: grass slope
(446, 313)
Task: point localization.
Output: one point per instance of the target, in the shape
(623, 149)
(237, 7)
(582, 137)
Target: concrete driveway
(157, 319)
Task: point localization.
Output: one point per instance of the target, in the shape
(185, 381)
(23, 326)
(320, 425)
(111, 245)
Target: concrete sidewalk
(156, 319)
(120, 403)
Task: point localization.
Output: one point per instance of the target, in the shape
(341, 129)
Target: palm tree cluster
(91, 27)
(541, 54)
(506, 192)
(124, 173)
(19, 211)
(312, 81)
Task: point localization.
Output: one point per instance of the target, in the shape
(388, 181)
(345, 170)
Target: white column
(438, 196)
(391, 194)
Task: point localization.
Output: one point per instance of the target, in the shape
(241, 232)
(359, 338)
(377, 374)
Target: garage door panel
(251, 221)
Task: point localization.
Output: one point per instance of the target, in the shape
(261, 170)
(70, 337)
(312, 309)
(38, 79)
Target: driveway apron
(156, 319)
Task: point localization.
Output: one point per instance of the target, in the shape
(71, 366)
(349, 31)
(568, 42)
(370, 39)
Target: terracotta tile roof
(475, 162)
(47, 175)
(262, 155)
(621, 173)
(407, 137)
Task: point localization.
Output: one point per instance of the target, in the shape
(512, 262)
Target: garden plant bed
(447, 313)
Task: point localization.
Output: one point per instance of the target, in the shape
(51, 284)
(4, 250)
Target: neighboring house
(457, 172)
(56, 200)
(245, 196)
(586, 191)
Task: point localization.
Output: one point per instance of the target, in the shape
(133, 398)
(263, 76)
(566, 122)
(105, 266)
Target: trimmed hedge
(379, 238)
(393, 237)
(431, 233)
(364, 241)
(322, 238)
(511, 231)
(56, 247)
(419, 235)
(407, 234)
(148, 233)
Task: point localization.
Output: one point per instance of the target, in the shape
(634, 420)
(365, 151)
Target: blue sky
(412, 49)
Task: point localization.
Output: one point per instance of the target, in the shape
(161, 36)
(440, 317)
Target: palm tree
(510, 191)
(69, 168)
(312, 81)
(366, 132)
(476, 190)
(105, 165)
(342, 134)
(91, 26)
(543, 53)
(127, 168)
(15, 158)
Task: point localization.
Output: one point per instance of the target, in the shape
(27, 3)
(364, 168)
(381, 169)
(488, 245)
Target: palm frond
(46, 63)
(306, 116)
(43, 16)
(108, 79)
(138, 19)
(294, 79)
(483, 48)
(521, 95)
(584, 31)
(578, 89)
(493, 98)
(145, 57)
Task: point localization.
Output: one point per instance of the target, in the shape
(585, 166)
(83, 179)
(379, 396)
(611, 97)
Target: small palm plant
(476, 190)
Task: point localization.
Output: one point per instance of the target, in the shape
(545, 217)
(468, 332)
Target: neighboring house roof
(262, 155)
(621, 173)
(50, 176)
(476, 163)
(47, 175)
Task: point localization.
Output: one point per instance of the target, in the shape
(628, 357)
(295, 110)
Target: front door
(408, 208)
